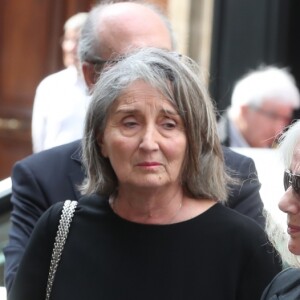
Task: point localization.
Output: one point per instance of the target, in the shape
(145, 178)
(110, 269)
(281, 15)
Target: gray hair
(265, 83)
(203, 172)
(287, 143)
(89, 42)
(279, 238)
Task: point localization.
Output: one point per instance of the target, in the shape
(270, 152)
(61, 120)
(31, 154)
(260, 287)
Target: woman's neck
(157, 207)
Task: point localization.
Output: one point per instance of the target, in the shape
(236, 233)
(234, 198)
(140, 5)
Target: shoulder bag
(60, 239)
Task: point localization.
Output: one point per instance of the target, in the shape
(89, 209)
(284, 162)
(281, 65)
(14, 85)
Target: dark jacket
(285, 286)
(45, 178)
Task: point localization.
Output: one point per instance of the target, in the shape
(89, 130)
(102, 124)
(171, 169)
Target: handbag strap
(60, 239)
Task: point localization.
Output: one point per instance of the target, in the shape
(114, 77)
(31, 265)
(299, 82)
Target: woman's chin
(294, 246)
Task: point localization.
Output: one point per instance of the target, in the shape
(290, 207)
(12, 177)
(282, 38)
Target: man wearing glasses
(262, 105)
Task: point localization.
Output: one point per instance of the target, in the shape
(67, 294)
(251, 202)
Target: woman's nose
(149, 139)
(289, 202)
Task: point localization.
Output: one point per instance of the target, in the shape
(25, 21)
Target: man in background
(262, 105)
(61, 99)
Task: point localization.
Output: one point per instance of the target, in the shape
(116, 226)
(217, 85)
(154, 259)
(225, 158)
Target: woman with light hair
(286, 285)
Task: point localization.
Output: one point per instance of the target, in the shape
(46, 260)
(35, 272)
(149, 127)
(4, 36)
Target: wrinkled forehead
(276, 103)
(140, 94)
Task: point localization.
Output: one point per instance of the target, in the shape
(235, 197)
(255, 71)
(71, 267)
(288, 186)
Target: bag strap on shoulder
(60, 239)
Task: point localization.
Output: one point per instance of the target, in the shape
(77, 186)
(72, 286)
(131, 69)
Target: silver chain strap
(60, 239)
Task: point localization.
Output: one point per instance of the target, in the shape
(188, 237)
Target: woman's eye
(129, 123)
(169, 124)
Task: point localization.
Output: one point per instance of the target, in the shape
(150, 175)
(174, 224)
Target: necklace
(112, 202)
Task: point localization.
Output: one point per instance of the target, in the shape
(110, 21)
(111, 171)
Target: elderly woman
(286, 285)
(151, 224)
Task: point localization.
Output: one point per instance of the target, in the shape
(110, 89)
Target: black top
(47, 177)
(285, 286)
(219, 254)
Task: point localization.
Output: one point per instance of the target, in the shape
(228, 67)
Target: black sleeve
(32, 275)
(39, 181)
(255, 275)
(29, 203)
(244, 197)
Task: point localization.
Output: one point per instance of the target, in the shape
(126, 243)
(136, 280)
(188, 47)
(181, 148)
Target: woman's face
(290, 204)
(144, 139)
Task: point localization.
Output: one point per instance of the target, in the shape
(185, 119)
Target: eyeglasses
(100, 63)
(272, 115)
(293, 180)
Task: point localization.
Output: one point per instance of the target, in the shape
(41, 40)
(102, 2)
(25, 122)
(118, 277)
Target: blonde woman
(287, 284)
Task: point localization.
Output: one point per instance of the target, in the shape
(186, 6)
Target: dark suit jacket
(45, 178)
(285, 286)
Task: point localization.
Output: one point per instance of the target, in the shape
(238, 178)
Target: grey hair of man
(90, 42)
(265, 83)
(277, 235)
(203, 172)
